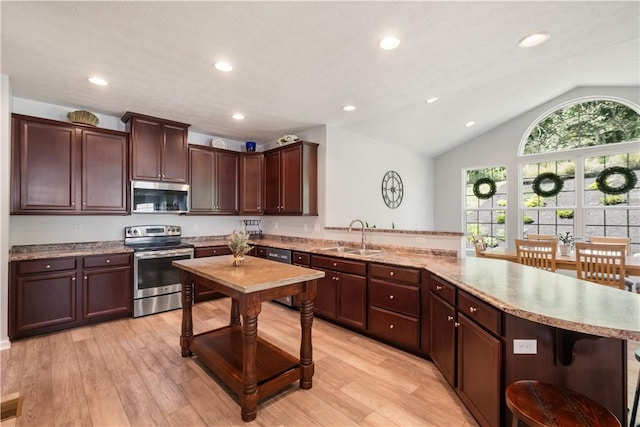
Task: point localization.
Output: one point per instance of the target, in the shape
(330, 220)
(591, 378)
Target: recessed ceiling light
(389, 42)
(223, 66)
(98, 81)
(238, 116)
(471, 123)
(432, 100)
(534, 39)
(349, 107)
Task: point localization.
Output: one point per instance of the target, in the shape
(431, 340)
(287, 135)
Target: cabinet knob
(456, 324)
(108, 261)
(391, 273)
(438, 288)
(258, 207)
(85, 277)
(73, 279)
(335, 264)
(472, 309)
(73, 203)
(48, 266)
(391, 326)
(84, 203)
(449, 318)
(215, 252)
(390, 296)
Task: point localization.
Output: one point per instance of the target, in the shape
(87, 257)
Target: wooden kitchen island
(252, 367)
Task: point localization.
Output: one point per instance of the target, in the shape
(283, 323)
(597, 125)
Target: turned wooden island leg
(249, 394)
(187, 320)
(306, 322)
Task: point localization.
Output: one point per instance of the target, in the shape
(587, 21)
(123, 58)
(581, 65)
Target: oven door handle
(163, 254)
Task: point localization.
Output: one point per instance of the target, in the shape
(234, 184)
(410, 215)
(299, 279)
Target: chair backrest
(601, 263)
(542, 237)
(616, 240)
(537, 253)
(479, 243)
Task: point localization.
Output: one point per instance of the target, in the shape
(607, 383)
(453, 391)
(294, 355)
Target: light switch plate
(525, 346)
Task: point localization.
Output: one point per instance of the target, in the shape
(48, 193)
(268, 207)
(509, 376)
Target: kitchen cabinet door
(43, 302)
(227, 181)
(479, 372)
(352, 300)
(327, 296)
(107, 293)
(291, 180)
(174, 153)
(201, 177)
(45, 163)
(272, 183)
(251, 183)
(443, 338)
(104, 172)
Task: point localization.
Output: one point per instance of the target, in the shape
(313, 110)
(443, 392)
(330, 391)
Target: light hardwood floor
(130, 372)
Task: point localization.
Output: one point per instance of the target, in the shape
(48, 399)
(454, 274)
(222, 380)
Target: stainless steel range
(156, 283)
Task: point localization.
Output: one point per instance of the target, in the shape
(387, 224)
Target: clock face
(392, 189)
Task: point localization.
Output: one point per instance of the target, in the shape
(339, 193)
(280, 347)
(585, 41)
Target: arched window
(579, 168)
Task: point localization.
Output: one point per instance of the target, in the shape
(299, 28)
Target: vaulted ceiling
(297, 63)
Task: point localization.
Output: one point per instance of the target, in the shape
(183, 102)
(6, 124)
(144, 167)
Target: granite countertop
(544, 297)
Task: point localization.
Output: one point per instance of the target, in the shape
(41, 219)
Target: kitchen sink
(347, 250)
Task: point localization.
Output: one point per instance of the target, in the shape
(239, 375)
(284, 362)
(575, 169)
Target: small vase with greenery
(567, 242)
(239, 245)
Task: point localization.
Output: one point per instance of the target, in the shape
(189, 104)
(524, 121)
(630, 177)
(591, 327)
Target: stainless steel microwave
(159, 197)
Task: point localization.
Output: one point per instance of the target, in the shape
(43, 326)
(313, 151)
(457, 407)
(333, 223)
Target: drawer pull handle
(472, 309)
(48, 266)
(456, 324)
(438, 288)
(391, 273)
(391, 326)
(390, 296)
(449, 318)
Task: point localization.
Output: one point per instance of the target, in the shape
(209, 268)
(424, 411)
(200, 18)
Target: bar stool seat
(539, 404)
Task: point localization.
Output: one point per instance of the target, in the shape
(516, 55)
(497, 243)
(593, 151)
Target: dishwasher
(281, 255)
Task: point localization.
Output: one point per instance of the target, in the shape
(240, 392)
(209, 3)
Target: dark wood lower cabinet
(479, 371)
(326, 304)
(443, 338)
(48, 295)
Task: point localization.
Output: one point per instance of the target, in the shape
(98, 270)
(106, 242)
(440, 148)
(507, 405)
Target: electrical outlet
(77, 228)
(306, 227)
(525, 346)
(276, 226)
(316, 227)
(421, 240)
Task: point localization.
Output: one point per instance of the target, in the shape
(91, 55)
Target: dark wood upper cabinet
(63, 168)
(291, 180)
(251, 183)
(214, 180)
(158, 148)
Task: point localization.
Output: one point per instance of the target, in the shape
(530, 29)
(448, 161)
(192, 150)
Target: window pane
(593, 166)
(486, 216)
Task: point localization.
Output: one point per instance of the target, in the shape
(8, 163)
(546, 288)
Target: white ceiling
(297, 63)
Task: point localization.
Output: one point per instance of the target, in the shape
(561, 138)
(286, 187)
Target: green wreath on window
(489, 194)
(630, 180)
(547, 176)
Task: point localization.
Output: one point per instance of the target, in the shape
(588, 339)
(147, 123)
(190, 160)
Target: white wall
(499, 147)
(5, 161)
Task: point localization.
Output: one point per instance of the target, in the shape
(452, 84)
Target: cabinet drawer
(393, 326)
(481, 312)
(338, 264)
(443, 289)
(402, 298)
(108, 260)
(301, 258)
(261, 251)
(400, 274)
(44, 265)
(211, 251)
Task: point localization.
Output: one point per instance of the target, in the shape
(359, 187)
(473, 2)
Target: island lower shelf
(221, 351)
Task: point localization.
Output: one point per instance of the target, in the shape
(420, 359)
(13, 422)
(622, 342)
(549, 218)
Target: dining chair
(537, 253)
(542, 237)
(479, 243)
(628, 283)
(601, 263)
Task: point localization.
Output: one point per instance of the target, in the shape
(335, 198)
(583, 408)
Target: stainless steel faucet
(364, 241)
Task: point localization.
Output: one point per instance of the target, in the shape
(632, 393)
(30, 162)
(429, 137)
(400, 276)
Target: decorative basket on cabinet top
(83, 117)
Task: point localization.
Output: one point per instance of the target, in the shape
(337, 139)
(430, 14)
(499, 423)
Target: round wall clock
(392, 189)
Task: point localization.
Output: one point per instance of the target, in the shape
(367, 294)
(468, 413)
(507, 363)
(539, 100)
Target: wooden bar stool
(634, 410)
(538, 404)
